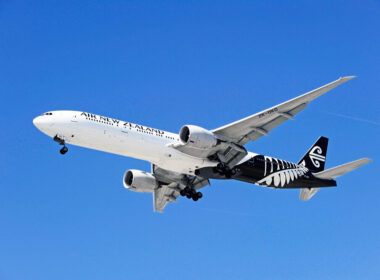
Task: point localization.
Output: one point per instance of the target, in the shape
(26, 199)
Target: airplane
(182, 164)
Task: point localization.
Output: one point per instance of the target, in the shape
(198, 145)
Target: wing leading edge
(253, 127)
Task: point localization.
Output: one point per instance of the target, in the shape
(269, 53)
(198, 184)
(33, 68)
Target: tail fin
(315, 158)
(337, 171)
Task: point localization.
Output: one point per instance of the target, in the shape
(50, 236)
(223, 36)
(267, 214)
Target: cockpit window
(47, 114)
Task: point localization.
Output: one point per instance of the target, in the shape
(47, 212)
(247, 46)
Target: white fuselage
(120, 137)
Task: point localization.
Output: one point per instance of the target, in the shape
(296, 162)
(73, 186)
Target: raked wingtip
(347, 78)
(367, 160)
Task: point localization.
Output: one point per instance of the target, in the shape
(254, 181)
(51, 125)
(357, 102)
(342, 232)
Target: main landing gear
(225, 170)
(191, 193)
(64, 149)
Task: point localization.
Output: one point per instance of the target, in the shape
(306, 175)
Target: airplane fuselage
(183, 163)
(156, 146)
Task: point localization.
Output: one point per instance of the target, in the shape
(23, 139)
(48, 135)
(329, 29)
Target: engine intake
(197, 137)
(139, 181)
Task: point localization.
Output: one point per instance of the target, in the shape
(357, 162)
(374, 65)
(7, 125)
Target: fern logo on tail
(316, 156)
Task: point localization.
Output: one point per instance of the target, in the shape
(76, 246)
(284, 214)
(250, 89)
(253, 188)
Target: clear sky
(169, 63)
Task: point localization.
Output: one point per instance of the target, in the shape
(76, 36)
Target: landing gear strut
(191, 193)
(64, 149)
(224, 169)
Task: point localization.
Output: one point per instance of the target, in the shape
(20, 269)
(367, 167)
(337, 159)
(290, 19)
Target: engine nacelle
(139, 181)
(197, 137)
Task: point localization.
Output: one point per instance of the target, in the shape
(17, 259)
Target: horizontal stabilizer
(306, 194)
(341, 169)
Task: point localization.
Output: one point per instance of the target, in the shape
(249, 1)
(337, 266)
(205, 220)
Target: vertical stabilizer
(315, 158)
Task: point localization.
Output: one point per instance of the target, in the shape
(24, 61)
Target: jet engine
(139, 181)
(197, 137)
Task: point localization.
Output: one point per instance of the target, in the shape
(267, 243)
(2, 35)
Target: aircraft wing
(253, 127)
(170, 185)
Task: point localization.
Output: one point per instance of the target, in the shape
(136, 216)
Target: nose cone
(37, 121)
(43, 123)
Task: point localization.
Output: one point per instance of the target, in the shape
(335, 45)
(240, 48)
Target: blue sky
(169, 63)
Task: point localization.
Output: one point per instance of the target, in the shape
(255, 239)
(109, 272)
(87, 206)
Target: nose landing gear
(191, 193)
(60, 141)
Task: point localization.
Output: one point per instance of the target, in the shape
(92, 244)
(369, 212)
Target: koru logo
(316, 156)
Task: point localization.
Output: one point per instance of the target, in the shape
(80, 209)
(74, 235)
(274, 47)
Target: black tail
(315, 158)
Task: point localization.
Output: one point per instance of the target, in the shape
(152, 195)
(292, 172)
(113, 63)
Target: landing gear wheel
(196, 196)
(190, 193)
(63, 150)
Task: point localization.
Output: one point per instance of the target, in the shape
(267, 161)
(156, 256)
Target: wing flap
(163, 195)
(171, 183)
(201, 153)
(271, 124)
(228, 152)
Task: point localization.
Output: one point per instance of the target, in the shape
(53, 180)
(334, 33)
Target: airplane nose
(37, 121)
(42, 123)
